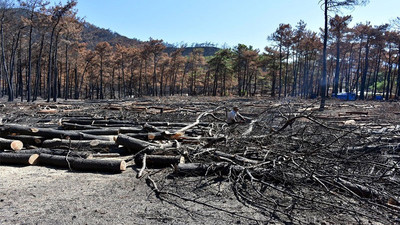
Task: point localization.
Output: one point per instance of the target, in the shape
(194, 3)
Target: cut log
(133, 144)
(357, 113)
(105, 155)
(81, 145)
(151, 128)
(18, 158)
(48, 111)
(27, 139)
(152, 136)
(15, 145)
(75, 126)
(50, 133)
(145, 136)
(61, 152)
(78, 164)
(104, 131)
(100, 122)
(125, 130)
(201, 169)
(159, 161)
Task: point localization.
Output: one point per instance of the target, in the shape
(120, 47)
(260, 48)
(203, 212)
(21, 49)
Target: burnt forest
(99, 128)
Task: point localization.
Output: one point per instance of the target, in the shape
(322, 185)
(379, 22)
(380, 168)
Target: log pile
(84, 143)
(288, 159)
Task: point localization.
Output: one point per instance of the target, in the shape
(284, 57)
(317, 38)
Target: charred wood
(18, 158)
(79, 164)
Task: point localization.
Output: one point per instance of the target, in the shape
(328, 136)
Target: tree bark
(132, 144)
(159, 161)
(324, 72)
(18, 158)
(78, 164)
(81, 145)
(15, 145)
(50, 133)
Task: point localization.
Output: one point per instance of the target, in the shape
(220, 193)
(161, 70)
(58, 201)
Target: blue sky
(248, 22)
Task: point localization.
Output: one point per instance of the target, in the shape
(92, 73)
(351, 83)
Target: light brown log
(79, 164)
(159, 161)
(18, 158)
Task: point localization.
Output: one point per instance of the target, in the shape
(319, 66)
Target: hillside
(93, 35)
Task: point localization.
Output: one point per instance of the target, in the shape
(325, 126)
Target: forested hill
(208, 51)
(92, 35)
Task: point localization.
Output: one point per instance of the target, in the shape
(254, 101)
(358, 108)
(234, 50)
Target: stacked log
(79, 164)
(15, 145)
(79, 142)
(18, 158)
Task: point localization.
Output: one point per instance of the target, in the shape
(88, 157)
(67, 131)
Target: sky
(228, 22)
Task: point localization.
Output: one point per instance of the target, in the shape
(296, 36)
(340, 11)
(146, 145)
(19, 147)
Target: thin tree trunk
(55, 80)
(38, 70)
(324, 74)
(364, 76)
(66, 73)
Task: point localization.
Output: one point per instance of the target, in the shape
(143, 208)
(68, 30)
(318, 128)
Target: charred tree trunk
(18, 159)
(109, 166)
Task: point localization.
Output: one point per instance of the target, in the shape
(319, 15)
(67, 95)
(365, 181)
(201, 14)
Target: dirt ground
(46, 195)
(41, 195)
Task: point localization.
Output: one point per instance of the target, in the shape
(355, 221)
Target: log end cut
(123, 166)
(33, 160)
(16, 145)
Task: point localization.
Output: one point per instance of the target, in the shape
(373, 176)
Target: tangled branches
(295, 165)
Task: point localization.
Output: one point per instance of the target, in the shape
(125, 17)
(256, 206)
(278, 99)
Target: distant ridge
(92, 35)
